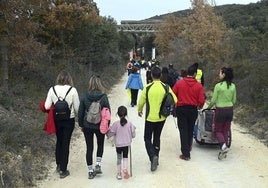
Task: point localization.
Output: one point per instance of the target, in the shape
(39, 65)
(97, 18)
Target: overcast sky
(142, 9)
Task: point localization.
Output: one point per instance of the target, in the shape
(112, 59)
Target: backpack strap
(147, 101)
(165, 86)
(55, 92)
(67, 92)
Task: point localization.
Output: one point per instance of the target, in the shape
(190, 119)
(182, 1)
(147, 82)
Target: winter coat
(49, 126)
(134, 81)
(189, 92)
(105, 119)
(123, 134)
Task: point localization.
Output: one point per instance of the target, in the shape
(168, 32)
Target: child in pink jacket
(123, 131)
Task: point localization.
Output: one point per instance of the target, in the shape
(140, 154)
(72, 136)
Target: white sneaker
(223, 152)
(119, 176)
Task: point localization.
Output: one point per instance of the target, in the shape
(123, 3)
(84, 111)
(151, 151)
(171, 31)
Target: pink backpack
(105, 118)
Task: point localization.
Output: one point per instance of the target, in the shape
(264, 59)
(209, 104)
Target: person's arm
(214, 97)
(81, 113)
(76, 100)
(201, 98)
(234, 96)
(173, 95)
(142, 101)
(49, 101)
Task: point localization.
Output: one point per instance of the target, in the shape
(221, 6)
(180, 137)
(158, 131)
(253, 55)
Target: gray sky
(142, 9)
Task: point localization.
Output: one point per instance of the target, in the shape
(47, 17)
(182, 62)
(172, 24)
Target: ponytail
(123, 121)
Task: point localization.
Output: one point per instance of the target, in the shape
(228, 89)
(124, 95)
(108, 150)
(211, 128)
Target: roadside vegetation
(40, 38)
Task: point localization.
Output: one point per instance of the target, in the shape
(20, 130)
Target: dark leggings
(64, 132)
(89, 137)
(134, 96)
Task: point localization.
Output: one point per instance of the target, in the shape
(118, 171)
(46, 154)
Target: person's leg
(132, 97)
(119, 162)
(89, 143)
(219, 122)
(183, 128)
(227, 126)
(148, 131)
(192, 116)
(100, 148)
(66, 139)
(125, 162)
(59, 135)
(158, 127)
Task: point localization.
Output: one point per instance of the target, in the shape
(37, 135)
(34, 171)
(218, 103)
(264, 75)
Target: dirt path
(245, 166)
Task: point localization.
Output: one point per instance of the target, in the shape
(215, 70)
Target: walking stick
(130, 161)
(175, 122)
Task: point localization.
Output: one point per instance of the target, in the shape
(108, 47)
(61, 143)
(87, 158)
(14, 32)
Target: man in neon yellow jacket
(154, 122)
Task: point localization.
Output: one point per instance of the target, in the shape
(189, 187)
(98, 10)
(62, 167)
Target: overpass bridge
(138, 26)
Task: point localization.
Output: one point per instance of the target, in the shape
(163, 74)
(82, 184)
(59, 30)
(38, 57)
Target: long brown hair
(95, 84)
(64, 78)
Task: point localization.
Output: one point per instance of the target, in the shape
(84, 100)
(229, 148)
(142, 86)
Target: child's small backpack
(94, 112)
(62, 110)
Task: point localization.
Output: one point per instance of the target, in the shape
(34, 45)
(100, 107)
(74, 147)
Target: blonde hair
(95, 84)
(64, 78)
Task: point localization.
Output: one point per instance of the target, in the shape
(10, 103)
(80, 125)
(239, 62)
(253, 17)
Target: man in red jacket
(190, 96)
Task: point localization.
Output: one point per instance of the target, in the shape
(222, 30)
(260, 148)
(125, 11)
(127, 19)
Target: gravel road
(245, 167)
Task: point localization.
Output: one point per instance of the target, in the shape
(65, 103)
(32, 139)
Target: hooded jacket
(134, 81)
(85, 102)
(189, 92)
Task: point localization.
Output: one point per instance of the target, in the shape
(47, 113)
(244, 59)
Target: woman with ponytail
(224, 98)
(123, 131)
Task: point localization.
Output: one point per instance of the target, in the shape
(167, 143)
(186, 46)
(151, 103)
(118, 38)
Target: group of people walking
(188, 94)
(123, 130)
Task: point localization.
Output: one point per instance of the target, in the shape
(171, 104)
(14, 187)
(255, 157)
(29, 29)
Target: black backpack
(62, 110)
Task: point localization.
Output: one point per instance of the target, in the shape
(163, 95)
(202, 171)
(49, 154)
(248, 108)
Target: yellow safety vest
(199, 75)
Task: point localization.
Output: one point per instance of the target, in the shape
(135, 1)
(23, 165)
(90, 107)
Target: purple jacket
(123, 134)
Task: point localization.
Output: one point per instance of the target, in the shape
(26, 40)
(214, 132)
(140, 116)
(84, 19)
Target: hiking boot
(184, 158)
(154, 163)
(119, 176)
(91, 175)
(223, 153)
(98, 169)
(64, 174)
(126, 174)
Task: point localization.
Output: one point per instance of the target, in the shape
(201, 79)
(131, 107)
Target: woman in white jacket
(64, 128)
